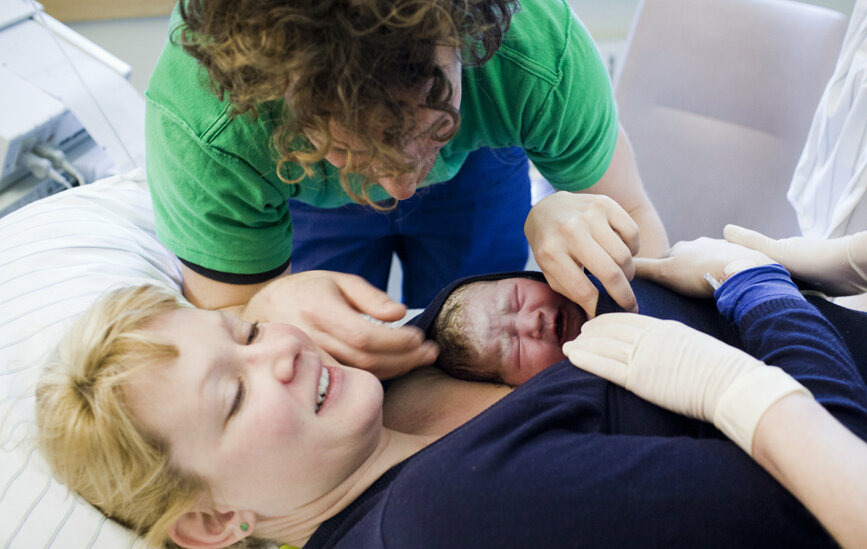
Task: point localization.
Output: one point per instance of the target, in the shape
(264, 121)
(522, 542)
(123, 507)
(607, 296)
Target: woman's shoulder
(427, 401)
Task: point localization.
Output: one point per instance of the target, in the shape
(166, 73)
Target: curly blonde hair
(89, 437)
(350, 63)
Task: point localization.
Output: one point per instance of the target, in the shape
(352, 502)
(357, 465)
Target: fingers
(652, 269)
(614, 281)
(623, 224)
(613, 370)
(606, 344)
(577, 288)
(611, 346)
(368, 298)
(387, 352)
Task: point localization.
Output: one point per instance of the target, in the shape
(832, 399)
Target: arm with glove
(767, 410)
(837, 266)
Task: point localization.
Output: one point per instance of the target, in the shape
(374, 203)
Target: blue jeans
(472, 224)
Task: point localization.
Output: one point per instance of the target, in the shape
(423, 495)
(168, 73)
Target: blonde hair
(89, 437)
(460, 352)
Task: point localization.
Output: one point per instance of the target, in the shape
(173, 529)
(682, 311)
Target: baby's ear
(211, 529)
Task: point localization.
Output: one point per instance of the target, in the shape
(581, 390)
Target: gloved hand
(837, 266)
(682, 268)
(683, 370)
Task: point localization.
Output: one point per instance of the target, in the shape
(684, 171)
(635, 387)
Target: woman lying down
(200, 428)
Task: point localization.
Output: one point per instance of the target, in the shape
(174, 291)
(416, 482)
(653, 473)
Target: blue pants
(472, 224)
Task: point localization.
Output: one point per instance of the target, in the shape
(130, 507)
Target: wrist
(729, 270)
(741, 407)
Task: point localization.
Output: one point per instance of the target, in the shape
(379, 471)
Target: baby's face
(520, 326)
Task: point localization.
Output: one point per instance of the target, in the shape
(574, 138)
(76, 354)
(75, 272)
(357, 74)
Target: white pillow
(57, 256)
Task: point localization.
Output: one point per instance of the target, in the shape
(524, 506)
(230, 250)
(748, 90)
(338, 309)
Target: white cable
(58, 160)
(41, 168)
(38, 16)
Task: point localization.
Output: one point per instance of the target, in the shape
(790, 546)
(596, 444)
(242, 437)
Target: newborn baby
(504, 330)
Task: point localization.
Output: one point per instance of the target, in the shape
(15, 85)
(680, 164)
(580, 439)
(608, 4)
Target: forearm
(822, 463)
(779, 327)
(622, 182)
(654, 240)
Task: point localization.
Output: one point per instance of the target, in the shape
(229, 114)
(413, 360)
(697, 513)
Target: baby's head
(504, 330)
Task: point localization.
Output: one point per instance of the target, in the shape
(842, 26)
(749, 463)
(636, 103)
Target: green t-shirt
(219, 203)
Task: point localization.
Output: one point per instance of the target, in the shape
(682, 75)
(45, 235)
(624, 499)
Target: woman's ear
(211, 529)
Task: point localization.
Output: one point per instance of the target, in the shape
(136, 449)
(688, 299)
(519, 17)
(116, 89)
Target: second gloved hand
(837, 266)
(682, 370)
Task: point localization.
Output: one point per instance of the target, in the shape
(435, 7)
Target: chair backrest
(717, 98)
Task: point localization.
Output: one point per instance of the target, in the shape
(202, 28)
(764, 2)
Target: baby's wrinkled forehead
(481, 301)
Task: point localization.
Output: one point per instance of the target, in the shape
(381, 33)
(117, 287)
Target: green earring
(244, 526)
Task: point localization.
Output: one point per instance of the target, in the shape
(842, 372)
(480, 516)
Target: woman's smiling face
(241, 407)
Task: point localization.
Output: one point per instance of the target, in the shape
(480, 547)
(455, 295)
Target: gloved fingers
(603, 357)
(754, 240)
(626, 327)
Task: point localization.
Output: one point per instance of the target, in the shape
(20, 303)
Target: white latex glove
(837, 266)
(330, 308)
(569, 232)
(683, 267)
(683, 370)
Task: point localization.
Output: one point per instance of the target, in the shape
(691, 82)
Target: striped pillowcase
(57, 256)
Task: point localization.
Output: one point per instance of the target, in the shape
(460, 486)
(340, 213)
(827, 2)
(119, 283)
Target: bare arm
(820, 461)
(622, 182)
(206, 293)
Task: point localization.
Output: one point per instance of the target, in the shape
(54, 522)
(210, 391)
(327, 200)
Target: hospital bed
(57, 256)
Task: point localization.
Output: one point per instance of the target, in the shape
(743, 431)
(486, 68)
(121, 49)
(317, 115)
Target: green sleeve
(214, 208)
(571, 140)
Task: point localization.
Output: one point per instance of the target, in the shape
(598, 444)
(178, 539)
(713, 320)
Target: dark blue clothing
(469, 225)
(570, 460)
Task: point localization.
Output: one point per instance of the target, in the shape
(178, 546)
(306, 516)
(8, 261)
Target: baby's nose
(530, 324)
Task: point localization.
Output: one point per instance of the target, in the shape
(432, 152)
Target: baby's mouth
(560, 326)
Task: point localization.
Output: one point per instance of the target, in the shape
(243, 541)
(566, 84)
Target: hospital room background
(733, 107)
(763, 149)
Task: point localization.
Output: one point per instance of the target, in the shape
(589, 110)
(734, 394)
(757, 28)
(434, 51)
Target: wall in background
(139, 41)
(610, 20)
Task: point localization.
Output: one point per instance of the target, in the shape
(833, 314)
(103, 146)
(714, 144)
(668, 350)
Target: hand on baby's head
(505, 330)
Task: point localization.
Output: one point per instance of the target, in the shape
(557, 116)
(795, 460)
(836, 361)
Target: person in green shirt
(328, 103)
